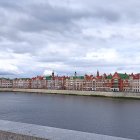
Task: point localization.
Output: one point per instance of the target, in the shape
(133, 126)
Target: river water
(109, 116)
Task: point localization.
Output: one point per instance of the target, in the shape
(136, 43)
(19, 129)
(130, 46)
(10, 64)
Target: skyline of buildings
(116, 82)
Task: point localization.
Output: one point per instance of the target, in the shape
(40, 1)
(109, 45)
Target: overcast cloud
(38, 36)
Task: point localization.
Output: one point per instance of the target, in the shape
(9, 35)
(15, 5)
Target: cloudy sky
(38, 36)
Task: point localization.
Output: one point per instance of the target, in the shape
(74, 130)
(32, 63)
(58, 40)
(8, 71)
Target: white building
(6, 83)
(22, 83)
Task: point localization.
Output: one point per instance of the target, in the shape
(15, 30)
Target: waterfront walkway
(75, 92)
(22, 131)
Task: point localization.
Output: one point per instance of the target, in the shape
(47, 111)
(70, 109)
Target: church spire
(75, 74)
(98, 73)
(53, 74)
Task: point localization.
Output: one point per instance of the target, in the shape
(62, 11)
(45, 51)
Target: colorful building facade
(117, 82)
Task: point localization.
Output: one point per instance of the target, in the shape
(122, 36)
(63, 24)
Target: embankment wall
(74, 92)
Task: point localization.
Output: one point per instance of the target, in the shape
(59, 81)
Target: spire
(75, 74)
(104, 75)
(98, 73)
(53, 74)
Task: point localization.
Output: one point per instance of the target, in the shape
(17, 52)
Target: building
(102, 83)
(75, 83)
(6, 83)
(134, 82)
(38, 82)
(117, 82)
(108, 82)
(22, 83)
(49, 82)
(120, 82)
(55, 82)
(59, 82)
(89, 83)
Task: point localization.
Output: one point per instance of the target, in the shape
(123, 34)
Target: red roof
(89, 77)
(99, 77)
(38, 78)
(136, 76)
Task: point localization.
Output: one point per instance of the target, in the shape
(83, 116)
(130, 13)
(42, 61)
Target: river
(109, 116)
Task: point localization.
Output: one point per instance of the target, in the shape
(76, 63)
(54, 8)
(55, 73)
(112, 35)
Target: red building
(115, 82)
(89, 82)
(118, 82)
(38, 82)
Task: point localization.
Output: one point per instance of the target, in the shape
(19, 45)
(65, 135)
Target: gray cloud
(70, 35)
(3, 73)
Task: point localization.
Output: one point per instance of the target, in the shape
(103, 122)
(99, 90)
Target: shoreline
(76, 93)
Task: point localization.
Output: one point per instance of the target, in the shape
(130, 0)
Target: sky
(39, 36)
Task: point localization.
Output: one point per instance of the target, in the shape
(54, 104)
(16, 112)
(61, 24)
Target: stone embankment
(23, 131)
(74, 92)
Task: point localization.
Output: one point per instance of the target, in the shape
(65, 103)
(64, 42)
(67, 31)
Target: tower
(53, 74)
(98, 73)
(75, 74)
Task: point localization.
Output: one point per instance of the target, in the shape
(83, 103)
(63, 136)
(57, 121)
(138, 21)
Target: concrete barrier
(22, 131)
(74, 92)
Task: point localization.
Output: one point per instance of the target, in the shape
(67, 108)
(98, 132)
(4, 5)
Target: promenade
(73, 92)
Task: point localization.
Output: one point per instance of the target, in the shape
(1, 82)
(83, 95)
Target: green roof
(78, 77)
(109, 77)
(123, 76)
(4, 78)
(48, 77)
